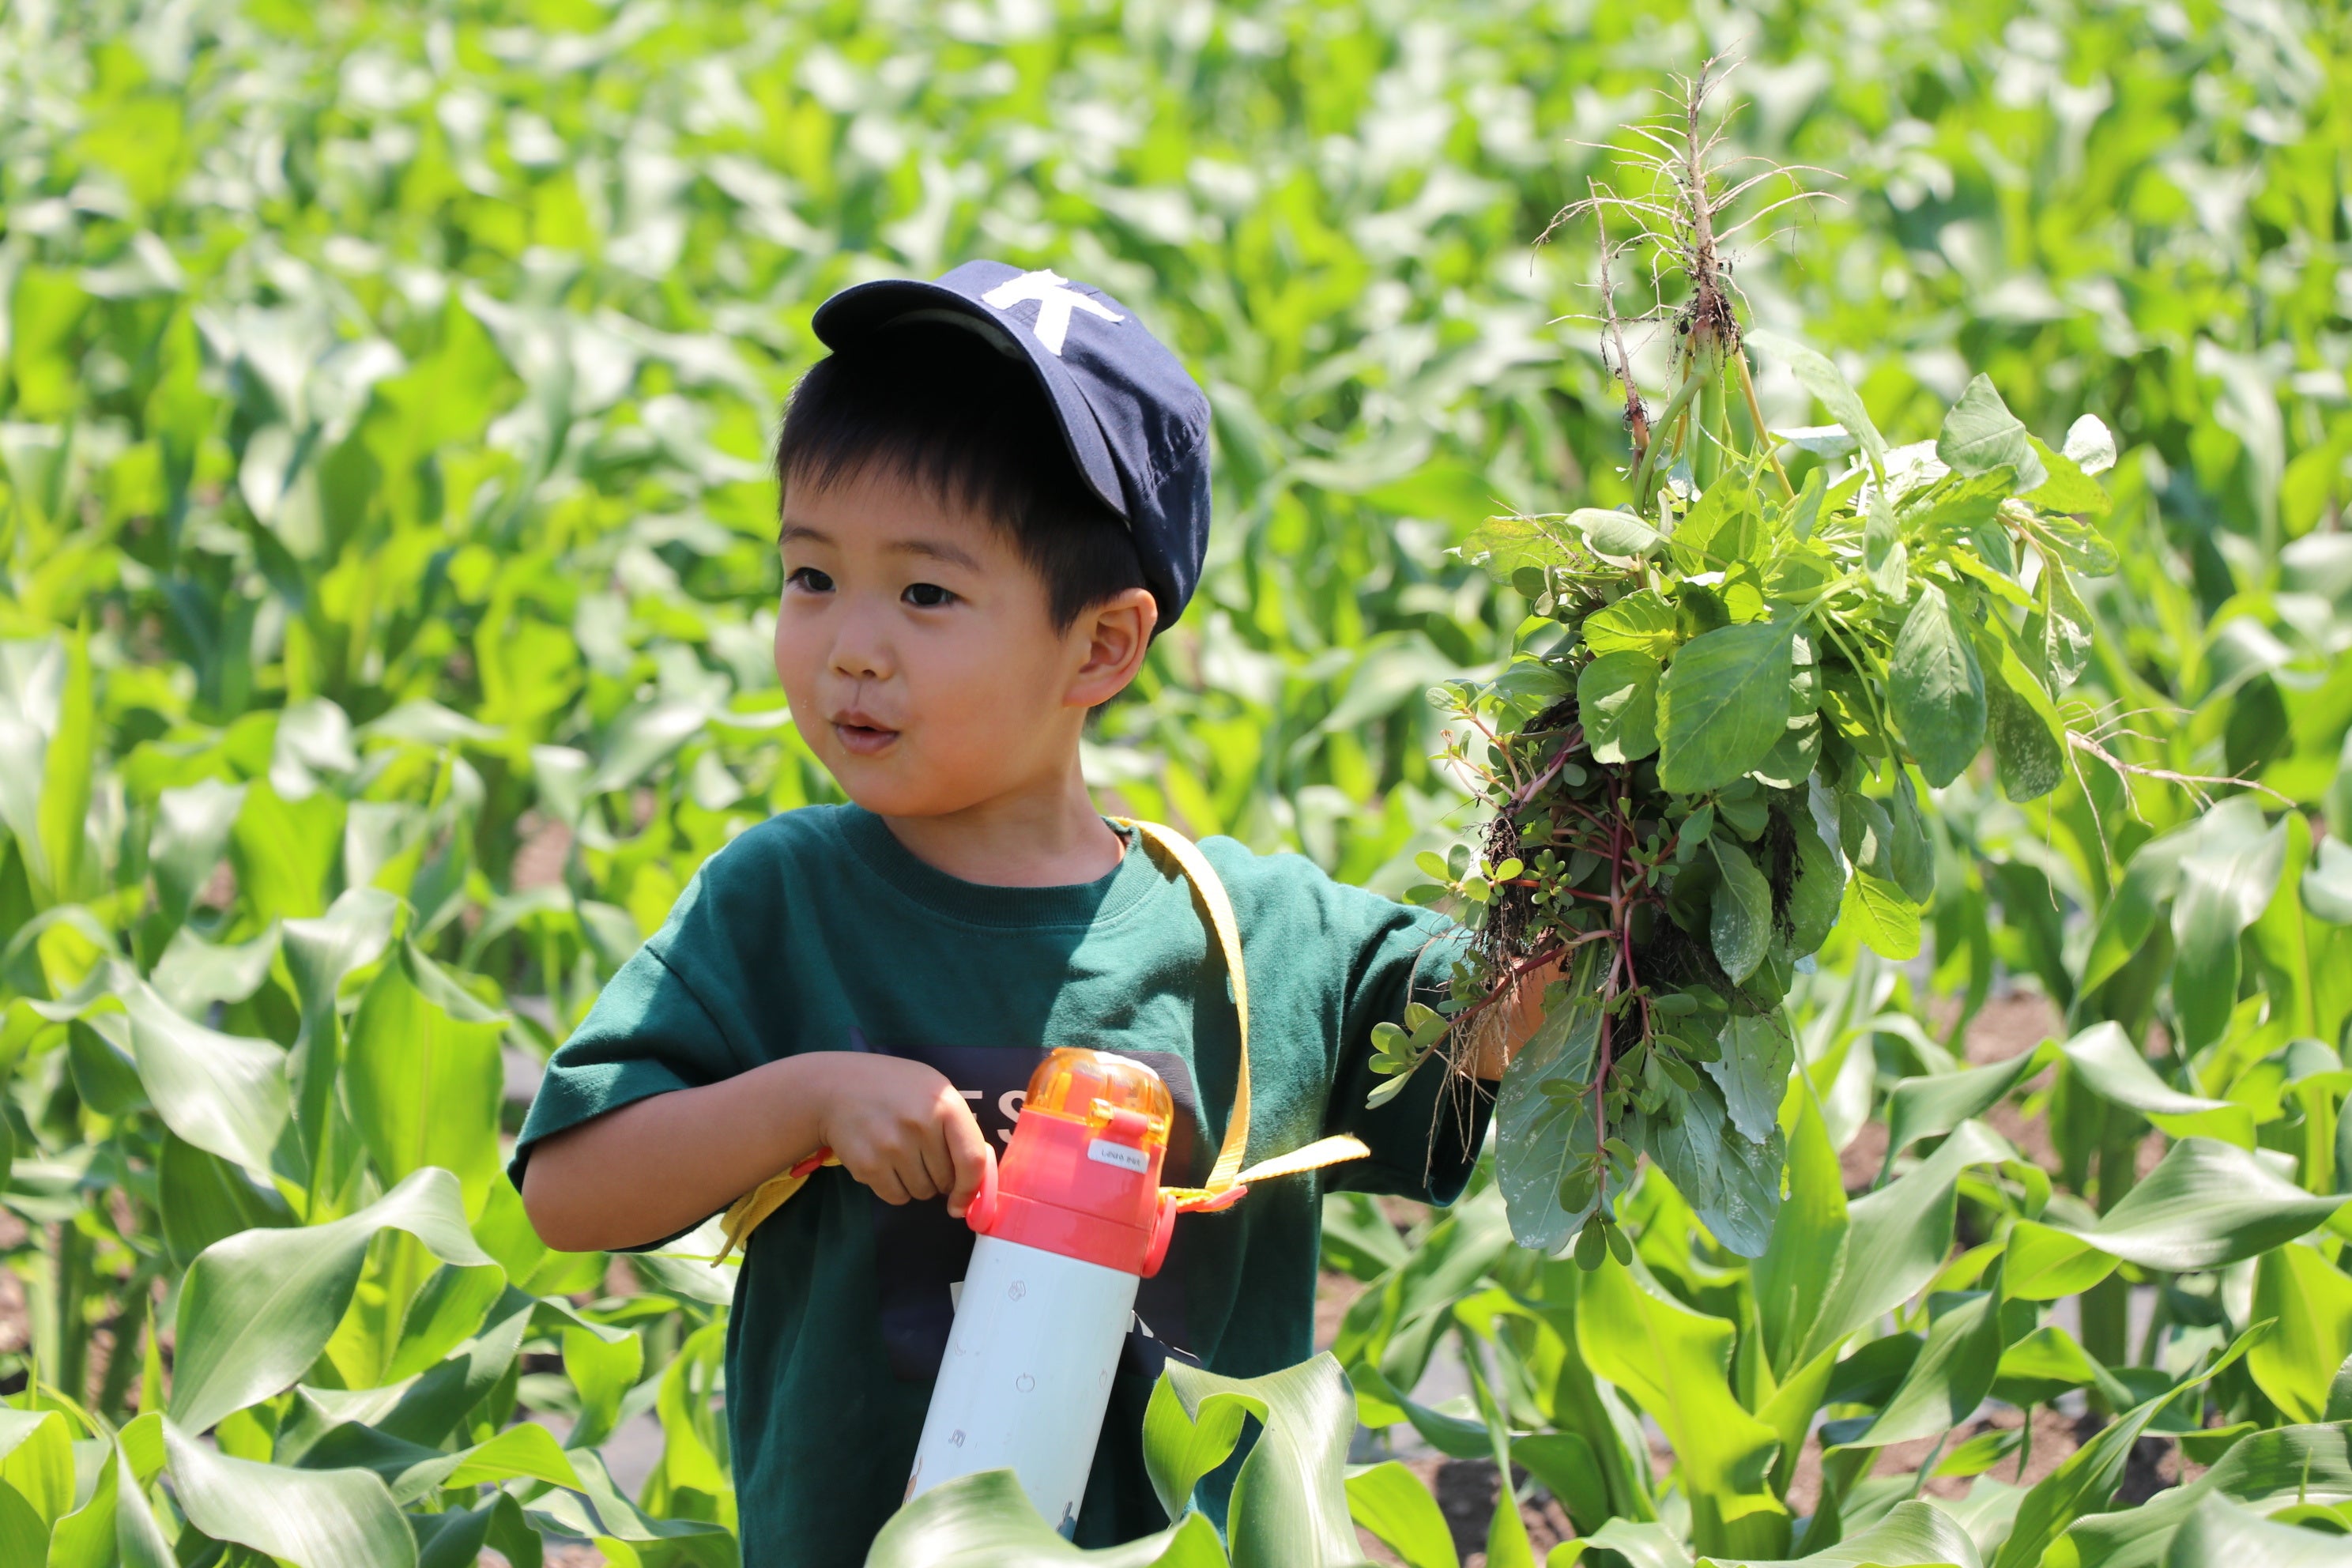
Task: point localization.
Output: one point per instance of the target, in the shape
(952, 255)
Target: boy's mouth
(860, 736)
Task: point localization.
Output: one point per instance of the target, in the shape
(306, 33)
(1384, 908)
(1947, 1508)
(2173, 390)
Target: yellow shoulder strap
(1219, 908)
(1228, 1179)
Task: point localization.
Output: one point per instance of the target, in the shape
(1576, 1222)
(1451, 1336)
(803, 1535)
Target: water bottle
(1067, 1224)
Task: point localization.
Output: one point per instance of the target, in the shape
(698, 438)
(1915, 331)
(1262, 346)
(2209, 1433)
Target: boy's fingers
(939, 1164)
(969, 1147)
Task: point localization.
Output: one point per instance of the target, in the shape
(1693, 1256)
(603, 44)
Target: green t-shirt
(817, 931)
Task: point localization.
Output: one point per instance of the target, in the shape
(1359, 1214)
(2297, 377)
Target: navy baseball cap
(1136, 423)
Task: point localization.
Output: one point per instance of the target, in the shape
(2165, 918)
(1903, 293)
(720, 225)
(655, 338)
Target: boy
(994, 493)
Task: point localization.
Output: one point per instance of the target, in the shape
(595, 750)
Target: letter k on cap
(1055, 299)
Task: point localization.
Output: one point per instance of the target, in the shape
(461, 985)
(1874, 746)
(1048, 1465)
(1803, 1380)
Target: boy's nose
(859, 654)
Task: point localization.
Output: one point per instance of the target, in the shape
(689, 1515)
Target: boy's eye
(927, 595)
(809, 579)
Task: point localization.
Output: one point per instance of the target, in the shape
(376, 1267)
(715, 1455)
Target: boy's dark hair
(938, 406)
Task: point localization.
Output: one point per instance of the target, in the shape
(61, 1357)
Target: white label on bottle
(1125, 1156)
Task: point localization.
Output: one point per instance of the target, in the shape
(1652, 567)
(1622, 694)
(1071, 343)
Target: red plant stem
(1609, 989)
(1575, 739)
(1501, 750)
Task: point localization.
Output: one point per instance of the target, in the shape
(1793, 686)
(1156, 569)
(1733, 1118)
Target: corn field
(387, 581)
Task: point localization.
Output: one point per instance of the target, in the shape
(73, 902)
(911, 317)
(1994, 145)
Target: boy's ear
(1116, 634)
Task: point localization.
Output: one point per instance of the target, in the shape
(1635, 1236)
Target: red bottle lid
(1081, 1176)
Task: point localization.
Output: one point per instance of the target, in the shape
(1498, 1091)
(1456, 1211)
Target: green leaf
(1617, 698)
(1731, 1182)
(2104, 1061)
(205, 1199)
(2221, 1532)
(608, 1516)
(1390, 1500)
(1980, 434)
(1817, 376)
(1740, 925)
(138, 1537)
(1721, 529)
(1723, 703)
(1866, 833)
(1614, 533)
(1807, 1252)
(2262, 1471)
(1910, 857)
(1641, 621)
(220, 1092)
(985, 1520)
(1640, 1543)
(2028, 738)
(318, 953)
(1503, 545)
(2205, 1205)
(285, 851)
(1289, 1502)
(423, 1077)
(24, 1533)
(257, 1309)
(2068, 489)
(2311, 1299)
(2075, 545)
(2087, 1479)
(1897, 1239)
(193, 974)
(1912, 1533)
(1887, 922)
(1884, 553)
(2048, 1362)
(1456, 1436)
(1817, 891)
(1929, 1107)
(1567, 1467)
(413, 1471)
(312, 1517)
(1540, 1138)
(1935, 692)
(2223, 889)
(603, 1365)
(2043, 1264)
(2090, 444)
(1793, 757)
(2326, 886)
(1676, 1362)
(36, 1460)
(2065, 628)
(1753, 1073)
(191, 829)
(1948, 1379)
(1179, 1447)
(65, 772)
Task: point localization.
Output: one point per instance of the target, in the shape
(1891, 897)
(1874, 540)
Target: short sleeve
(672, 1018)
(1425, 1142)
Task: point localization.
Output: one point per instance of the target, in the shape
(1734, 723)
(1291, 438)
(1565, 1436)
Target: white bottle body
(1027, 1374)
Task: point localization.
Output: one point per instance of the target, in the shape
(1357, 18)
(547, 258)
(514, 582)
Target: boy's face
(916, 647)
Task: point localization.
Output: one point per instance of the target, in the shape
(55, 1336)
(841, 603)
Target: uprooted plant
(1709, 746)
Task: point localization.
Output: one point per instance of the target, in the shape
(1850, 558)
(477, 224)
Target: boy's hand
(902, 1130)
(1522, 1015)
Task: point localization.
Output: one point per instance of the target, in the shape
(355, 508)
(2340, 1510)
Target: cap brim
(856, 313)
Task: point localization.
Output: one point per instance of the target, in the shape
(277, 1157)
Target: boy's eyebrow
(930, 549)
(937, 549)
